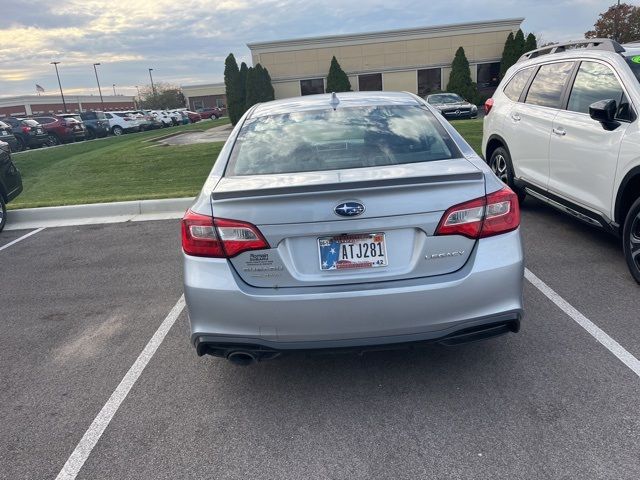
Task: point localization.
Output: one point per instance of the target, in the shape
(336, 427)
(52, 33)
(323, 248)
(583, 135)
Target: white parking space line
(96, 429)
(21, 238)
(596, 332)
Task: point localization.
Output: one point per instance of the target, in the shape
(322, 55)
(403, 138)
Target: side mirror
(604, 111)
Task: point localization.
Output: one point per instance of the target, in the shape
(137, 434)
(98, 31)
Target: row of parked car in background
(49, 130)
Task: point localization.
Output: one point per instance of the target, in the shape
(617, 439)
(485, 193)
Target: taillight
(25, 129)
(488, 105)
(496, 213)
(204, 236)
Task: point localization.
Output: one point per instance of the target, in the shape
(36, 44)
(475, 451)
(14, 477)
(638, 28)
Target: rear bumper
(472, 331)
(224, 312)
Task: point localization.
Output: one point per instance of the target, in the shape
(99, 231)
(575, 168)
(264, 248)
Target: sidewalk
(134, 211)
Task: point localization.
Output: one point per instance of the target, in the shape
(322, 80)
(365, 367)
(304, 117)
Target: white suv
(563, 127)
(122, 122)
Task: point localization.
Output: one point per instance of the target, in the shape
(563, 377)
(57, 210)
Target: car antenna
(334, 100)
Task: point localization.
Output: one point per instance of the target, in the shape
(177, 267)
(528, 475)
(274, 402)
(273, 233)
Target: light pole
(114, 89)
(153, 87)
(98, 81)
(64, 104)
(138, 89)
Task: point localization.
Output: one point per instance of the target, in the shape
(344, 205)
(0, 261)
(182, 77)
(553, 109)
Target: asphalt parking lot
(80, 304)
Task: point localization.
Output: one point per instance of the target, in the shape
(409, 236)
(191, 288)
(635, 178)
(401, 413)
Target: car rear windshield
(350, 137)
(31, 123)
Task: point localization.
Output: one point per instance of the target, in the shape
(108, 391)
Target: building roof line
(508, 22)
(201, 85)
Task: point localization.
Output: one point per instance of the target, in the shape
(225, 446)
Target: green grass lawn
(471, 130)
(130, 167)
(133, 167)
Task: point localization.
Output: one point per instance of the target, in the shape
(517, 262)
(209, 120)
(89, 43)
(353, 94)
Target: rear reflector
(204, 236)
(488, 105)
(496, 213)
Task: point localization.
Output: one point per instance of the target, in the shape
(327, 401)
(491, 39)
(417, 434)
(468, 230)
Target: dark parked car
(28, 132)
(6, 135)
(96, 123)
(62, 129)
(210, 112)
(452, 106)
(10, 181)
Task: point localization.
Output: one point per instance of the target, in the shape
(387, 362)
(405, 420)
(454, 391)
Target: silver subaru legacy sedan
(353, 220)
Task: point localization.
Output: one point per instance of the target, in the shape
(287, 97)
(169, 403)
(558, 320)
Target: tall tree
(258, 87)
(507, 55)
(243, 86)
(460, 77)
(531, 43)
(619, 23)
(233, 89)
(337, 79)
(253, 88)
(269, 93)
(518, 45)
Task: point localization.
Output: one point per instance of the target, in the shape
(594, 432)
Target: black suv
(28, 132)
(96, 123)
(10, 181)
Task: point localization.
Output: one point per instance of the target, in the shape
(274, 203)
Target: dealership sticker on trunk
(352, 251)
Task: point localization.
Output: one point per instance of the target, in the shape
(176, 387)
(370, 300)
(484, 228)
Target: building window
(370, 83)
(312, 86)
(488, 76)
(219, 102)
(429, 81)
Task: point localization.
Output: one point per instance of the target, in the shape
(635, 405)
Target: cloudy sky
(186, 41)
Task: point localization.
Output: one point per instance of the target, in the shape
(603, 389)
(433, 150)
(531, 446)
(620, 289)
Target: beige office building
(417, 60)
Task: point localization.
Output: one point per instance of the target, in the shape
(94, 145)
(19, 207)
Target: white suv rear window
(517, 83)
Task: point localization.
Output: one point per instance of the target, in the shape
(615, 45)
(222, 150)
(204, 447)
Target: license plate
(344, 252)
(4, 132)
(39, 130)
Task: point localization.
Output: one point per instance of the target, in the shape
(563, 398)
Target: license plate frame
(330, 260)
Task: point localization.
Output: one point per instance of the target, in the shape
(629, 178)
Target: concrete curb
(134, 211)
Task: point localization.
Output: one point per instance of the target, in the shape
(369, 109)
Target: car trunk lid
(402, 206)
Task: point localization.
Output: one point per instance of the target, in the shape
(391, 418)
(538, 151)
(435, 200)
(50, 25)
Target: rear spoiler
(331, 187)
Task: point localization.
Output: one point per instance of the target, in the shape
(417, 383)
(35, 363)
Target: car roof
(323, 102)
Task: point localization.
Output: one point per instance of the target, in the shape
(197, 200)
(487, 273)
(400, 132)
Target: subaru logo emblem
(349, 209)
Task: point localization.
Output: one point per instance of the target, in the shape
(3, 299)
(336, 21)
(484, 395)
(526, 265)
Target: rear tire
(117, 131)
(500, 163)
(54, 140)
(631, 240)
(91, 135)
(3, 213)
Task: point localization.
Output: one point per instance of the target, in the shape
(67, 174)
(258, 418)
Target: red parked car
(193, 116)
(63, 129)
(210, 112)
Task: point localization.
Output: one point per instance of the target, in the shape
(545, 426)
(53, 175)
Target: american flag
(39, 89)
(329, 254)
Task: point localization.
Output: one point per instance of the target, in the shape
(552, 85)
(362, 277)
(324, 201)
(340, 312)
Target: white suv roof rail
(590, 43)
